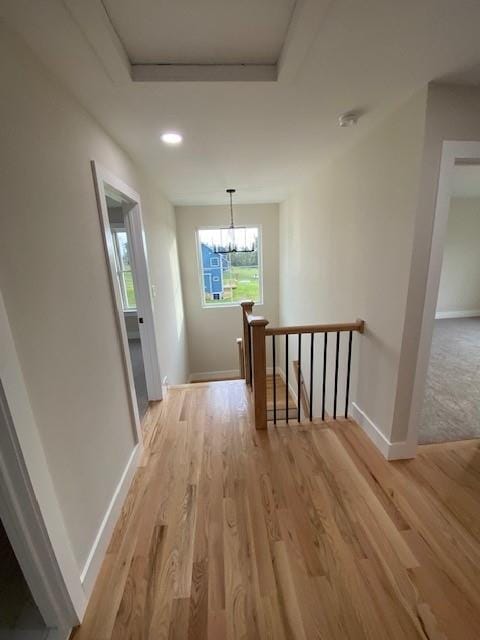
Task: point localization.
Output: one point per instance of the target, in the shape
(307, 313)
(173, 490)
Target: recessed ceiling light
(170, 137)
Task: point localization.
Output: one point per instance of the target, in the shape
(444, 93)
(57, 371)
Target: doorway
(124, 271)
(446, 401)
(124, 241)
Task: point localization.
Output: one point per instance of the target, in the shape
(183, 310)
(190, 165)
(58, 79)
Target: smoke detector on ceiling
(348, 119)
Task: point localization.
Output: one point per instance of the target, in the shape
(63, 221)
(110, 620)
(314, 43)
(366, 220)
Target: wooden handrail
(255, 331)
(359, 326)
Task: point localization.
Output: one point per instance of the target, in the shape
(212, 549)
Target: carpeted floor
(451, 408)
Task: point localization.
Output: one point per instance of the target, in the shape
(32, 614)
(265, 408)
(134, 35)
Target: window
(229, 278)
(124, 269)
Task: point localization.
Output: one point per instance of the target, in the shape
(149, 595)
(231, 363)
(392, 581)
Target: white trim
(143, 293)
(464, 313)
(304, 26)
(451, 152)
(99, 548)
(204, 72)
(93, 21)
(95, 24)
(226, 374)
(390, 450)
(97, 28)
(134, 225)
(120, 270)
(28, 503)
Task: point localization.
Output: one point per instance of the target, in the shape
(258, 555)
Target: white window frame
(200, 266)
(116, 229)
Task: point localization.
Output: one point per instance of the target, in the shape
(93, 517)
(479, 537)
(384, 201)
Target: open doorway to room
(124, 241)
(124, 270)
(451, 402)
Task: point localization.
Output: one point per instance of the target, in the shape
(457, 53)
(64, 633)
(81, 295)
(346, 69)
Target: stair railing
(255, 335)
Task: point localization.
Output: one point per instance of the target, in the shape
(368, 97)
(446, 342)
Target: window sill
(227, 306)
(130, 312)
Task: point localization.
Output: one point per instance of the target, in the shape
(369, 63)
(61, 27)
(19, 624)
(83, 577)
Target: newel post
(259, 372)
(247, 307)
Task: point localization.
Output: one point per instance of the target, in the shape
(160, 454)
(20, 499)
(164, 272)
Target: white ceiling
(466, 181)
(207, 31)
(264, 138)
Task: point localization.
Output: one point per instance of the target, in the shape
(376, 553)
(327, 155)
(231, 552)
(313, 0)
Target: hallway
(298, 532)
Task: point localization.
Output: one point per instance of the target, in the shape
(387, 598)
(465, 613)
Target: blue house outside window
(214, 265)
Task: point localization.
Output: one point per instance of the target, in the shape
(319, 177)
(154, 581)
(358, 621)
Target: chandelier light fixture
(233, 239)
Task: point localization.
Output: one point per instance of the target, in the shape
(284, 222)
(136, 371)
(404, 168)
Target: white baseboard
(390, 450)
(102, 540)
(205, 376)
(464, 313)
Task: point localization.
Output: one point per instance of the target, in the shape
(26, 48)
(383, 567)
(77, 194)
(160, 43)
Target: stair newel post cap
(258, 322)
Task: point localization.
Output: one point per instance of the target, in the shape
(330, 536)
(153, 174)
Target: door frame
(104, 182)
(453, 153)
(29, 507)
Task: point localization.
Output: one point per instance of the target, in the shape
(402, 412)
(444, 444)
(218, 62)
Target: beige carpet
(451, 408)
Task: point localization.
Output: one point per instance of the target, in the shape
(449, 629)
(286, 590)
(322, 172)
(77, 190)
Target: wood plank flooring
(299, 532)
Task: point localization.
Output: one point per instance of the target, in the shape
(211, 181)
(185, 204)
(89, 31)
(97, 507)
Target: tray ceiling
(205, 32)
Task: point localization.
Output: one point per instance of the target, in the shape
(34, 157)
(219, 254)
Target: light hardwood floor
(299, 532)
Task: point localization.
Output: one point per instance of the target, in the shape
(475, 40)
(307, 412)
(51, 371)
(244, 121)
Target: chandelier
(233, 239)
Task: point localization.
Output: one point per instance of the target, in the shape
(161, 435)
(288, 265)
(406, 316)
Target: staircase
(281, 392)
(289, 389)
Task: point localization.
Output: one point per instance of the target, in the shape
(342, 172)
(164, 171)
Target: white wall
(53, 276)
(460, 279)
(345, 246)
(212, 332)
